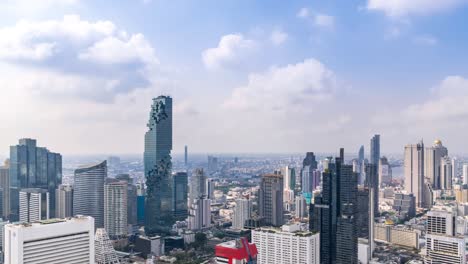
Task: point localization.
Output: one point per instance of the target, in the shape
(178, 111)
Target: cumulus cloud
(231, 50)
(295, 86)
(95, 60)
(303, 12)
(278, 37)
(318, 19)
(402, 8)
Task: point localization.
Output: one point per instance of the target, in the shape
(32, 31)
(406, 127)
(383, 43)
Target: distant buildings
(5, 189)
(33, 167)
(158, 167)
(115, 208)
(34, 205)
(180, 194)
(212, 164)
(197, 185)
(432, 160)
(465, 173)
(334, 214)
(308, 166)
(52, 241)
(186, 157)
(385, 172)
(286, 245)
(236, 252)
(242, 212)
(88, 195)
(375, 150)
(104, 251)
(415, 181)
(64, 201)
(270, 199)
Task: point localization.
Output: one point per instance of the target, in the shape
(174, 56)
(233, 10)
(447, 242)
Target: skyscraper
(432, 162)
(301, 207)
(34, 205)
(158, 167)
(131, 199)
(414, 172)
(360, 162)
(186, 156)
(372, 181)
(88, 196)
(465, 173)
(5, 188)
(115, 208)
(200, 214)
(289, 178)
(446, 173)
(64, 201)
(33, 167)
(375, 150)
(210, 188)
(270, 199)
(334, 214)
(141, 197)
(361, 154)
(385, 172)
(180, 190)
(308, 166)
(242, 212)
(197, 185)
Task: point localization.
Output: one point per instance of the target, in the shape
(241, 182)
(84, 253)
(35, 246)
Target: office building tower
(242, 212)
(88, 195)
(238, 251)
(446, 171)
(309, 164)
(310, 179)
(197, 185)
(5, 188)
(414, 173)
(443, 245)
(33, 167)
(132, 207)
(180, 191)
(54, 241)
(361, 154)
(301, 207)
(212, 164)
(333, 214)
(141, 198)
(34, 205)
(385, 172)
(158, 167)
(289, 174)
(270, 199)
(104, 252)
(115, 208)
(432, 162)
(405, 205)
(456, 168)
(362, 212)
(360, 162)
(372, 181)
(210, 188)
(64, 201)
(200, 214)
(375, 150)
(186, 156)
(286, 245)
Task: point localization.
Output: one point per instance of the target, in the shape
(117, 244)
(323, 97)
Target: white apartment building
(286, 245)
(54, 241)
(33, 205)
(242, 212)
(115, 208)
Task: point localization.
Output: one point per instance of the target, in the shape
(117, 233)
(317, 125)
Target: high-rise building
(64, 201)
(186, 156)
(131, 199)
(362, 211)
(158, 167)
(465, 173)
(212, 164)
(310, 179)
(446, 171)
(432, 162)
(54, 241)
(333, 214)
(361, 154)
(180, 190)
(289, 178)
(375, 150)
(236, 252)
(270, 199)
(33, 167)
(286, 245)
(34, 205)
(242, 212)
(456, 168)
(414, 173)
(309, 164)
(301, 207)
(197, 185)
(5, 188)
(104, 251)
(115, 208)
(88, 195)
(200, 214)
(385, 172)
(210, 188)
(372, 181)
(141, 197)
(359, 165)
(405, 205)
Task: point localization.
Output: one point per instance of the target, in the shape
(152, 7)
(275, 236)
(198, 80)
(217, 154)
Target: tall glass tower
(158, 165)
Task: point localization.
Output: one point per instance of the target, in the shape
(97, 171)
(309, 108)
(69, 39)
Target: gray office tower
(33, 167)
(131, 198)
(88, 196)
(309, 164)
(186, 157)
(180, 190)
(372, 181)
(270, 199)
(158, 166)
(64, 201)
(375, 150)
(197, 185)
(334, 214)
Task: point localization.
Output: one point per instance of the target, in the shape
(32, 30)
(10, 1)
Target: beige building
(397, 235)
(433, 157)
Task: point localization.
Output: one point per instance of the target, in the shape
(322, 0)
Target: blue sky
(246, 76)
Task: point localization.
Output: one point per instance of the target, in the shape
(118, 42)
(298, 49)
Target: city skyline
(307, 70)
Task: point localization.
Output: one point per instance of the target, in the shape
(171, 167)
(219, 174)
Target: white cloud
(230, 51)
(425, 40)
(324, 21)
(278, 37)
(294, 86)
(303, 13)
(402, 8)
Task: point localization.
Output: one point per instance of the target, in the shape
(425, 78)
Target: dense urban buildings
(270, 199)
(88, 195)
(158, 167)
(54, 241)
(64, 201)
(34, 205)
(242, 212)
(33, 167)
(115, 208)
